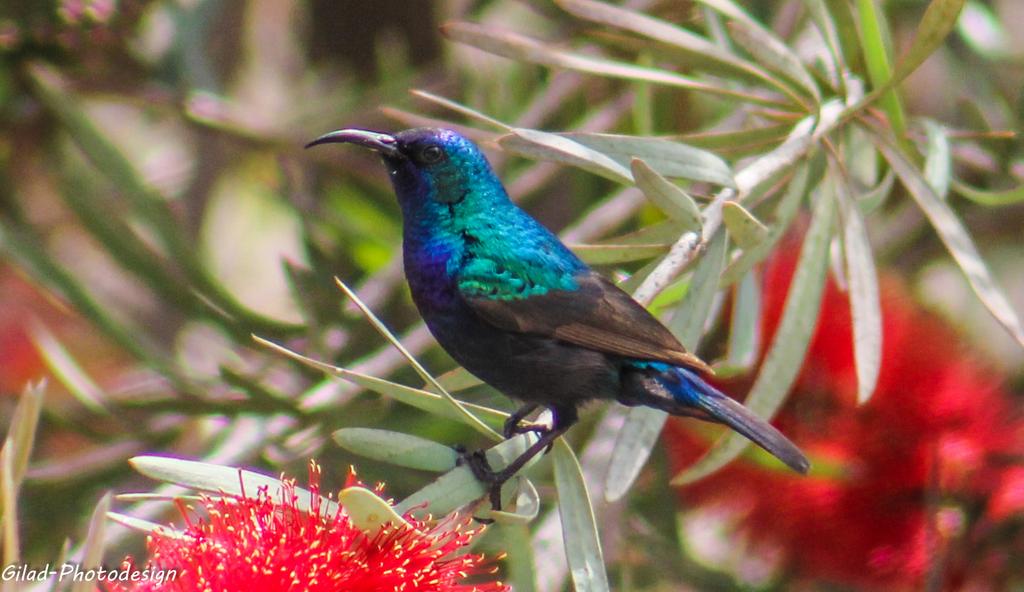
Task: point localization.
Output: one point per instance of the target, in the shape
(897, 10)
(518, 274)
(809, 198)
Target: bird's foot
(478, 464)
(514, 429)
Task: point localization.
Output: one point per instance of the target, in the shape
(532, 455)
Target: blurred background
(157, 209)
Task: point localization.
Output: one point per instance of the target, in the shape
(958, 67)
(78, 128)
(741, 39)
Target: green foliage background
(152, 179)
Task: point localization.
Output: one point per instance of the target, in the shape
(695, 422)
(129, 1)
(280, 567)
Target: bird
(519, 310)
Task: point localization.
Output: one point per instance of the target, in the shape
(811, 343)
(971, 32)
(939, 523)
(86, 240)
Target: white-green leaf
(988, 197)
(459, 486)
(460, 108)
(419, 398)
(95, 540)
(870, 200)
(744, 325)
(668, 157)
(669, 198)
(525, 49)
(643, 425)
(213, 478)
(789, 346)
(456, 379)
(711, 57)
(66, 369)
(367, 511)
(746, 230)
(609, 254)
(460, 410)
(582, 544)
(547, 146)
(396, 448)
(785, 211)
(938, 164)
(956, 238)
(526, 502)
(145, 526)
(774, 54)
(865, 308)
(9, 498)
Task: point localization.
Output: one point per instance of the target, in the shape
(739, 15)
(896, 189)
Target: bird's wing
(598, 316)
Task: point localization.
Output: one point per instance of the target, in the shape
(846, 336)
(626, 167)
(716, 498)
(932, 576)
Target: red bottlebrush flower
(258, 543)
(918, 484)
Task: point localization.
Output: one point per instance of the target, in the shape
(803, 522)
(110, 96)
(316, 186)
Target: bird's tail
(680, 391)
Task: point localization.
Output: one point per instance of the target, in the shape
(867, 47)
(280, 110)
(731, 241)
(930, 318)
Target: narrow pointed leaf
(582, 544)
(211, 478)
(414, 397)
(397, 448)
(773, 54)
(938, 164)
(467, 416)
(611, 254)
(873, 198)
(987, 197)
(643, 425)
(66, 369)
(669, 198)
(956, 238)
(789, 346)
(9, 499)
(144, 526)
(668, 157)
(746, 230)
(456, 379)
(95, 540)
(664, 232)
(744, 326)
(711, 57)
(525, 49)
(865, 307)
(460, 108)
(545, 146)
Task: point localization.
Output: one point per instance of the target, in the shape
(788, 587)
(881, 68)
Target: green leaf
(785, 211)
(668, 157)
(525, 49)
(669, 198)
(826, 25)
(990, 198)
(744, 326)
(519, 563)
(773, 54)
(459, 486)
(92, 548)
(546, 146)
(461, 411)
(865, 307)
(526, 502)
(460, 108)
(789, 346)
(579, 527)
(873, 198)
(9, 497)
(605, 254)
(711, 57)
(397, 448)
(414, 397)
(219, 479)
(876, 56)
(456, 379)
(938, 164)
(368, 512)
(746, 230)
(640, 433)
(145, 526)
(956, 238)
(66, 369)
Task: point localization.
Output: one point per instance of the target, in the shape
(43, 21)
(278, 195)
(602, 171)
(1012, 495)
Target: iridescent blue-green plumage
(518, 309)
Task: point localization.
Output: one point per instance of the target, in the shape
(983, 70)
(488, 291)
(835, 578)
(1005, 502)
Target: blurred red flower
(923, 483)
(254, 543)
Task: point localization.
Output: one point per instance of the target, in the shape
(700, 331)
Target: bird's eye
(431, 154)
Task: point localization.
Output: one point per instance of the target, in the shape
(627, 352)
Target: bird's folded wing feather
(598, 316)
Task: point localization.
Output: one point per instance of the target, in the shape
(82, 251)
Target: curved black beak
(386, 144)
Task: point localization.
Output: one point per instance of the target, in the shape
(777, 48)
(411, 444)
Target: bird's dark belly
(525, 367)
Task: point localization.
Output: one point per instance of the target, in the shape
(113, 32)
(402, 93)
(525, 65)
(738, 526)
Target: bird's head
(429, 167)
